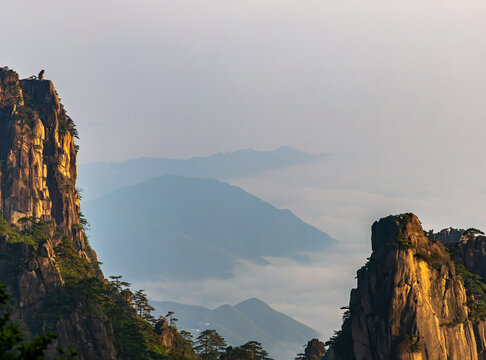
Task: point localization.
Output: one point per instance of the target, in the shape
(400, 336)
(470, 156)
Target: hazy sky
(184, 78)
(399, 83)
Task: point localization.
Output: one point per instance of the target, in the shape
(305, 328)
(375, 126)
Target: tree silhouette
(182, 347)
(118, 284)
(255, 351)
(234, 353)
(210, 345)
(142, 306)
(252, 350)
(471, 233)
(169, 315)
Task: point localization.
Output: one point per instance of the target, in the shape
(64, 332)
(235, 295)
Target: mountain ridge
(280, 149)
(203, 222)
(237, 324)
(100, 178)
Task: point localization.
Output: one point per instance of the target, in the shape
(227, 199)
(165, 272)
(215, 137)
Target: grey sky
(184, 78)
(401, 83)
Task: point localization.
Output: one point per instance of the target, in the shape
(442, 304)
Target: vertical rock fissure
(40, 219)
(410, 303)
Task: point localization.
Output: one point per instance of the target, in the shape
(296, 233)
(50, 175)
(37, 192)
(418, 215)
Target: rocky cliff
(416, 298)
(314, 350)
(45, 259)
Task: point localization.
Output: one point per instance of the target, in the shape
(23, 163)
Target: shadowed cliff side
(45, 260)
(40, 208)
(411, 302)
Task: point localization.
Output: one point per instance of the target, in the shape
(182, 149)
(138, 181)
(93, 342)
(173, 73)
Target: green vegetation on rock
(13, 234)
(72, 266)
(341, 338)
(13, 346)
(476, 293)
(210, 345)
(252, 350)
(402, 242)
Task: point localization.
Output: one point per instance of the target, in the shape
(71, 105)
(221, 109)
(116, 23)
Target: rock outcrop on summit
(416, 298)
(50, 270)
(38, 193)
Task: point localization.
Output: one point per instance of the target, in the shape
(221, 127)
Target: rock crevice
(410, 301)
(40, 210)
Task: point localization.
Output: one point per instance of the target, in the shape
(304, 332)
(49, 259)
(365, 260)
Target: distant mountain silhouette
(101, 178)
(251, 319)
(188, 228)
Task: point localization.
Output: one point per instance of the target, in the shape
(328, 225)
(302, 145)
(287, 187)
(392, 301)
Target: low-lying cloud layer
(312, 293)
(343, 196)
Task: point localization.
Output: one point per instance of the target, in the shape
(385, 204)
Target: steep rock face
(40, 208)
(446, 236)
(38, 156)
(410, 303)
(471, 253)
(314, 350)
(163, 330)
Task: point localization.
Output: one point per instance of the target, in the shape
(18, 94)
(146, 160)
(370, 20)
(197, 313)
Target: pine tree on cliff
(252, 350)
(255, 351)
(209, 345)
(141, 304)
(182, 346)
(45, 259)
